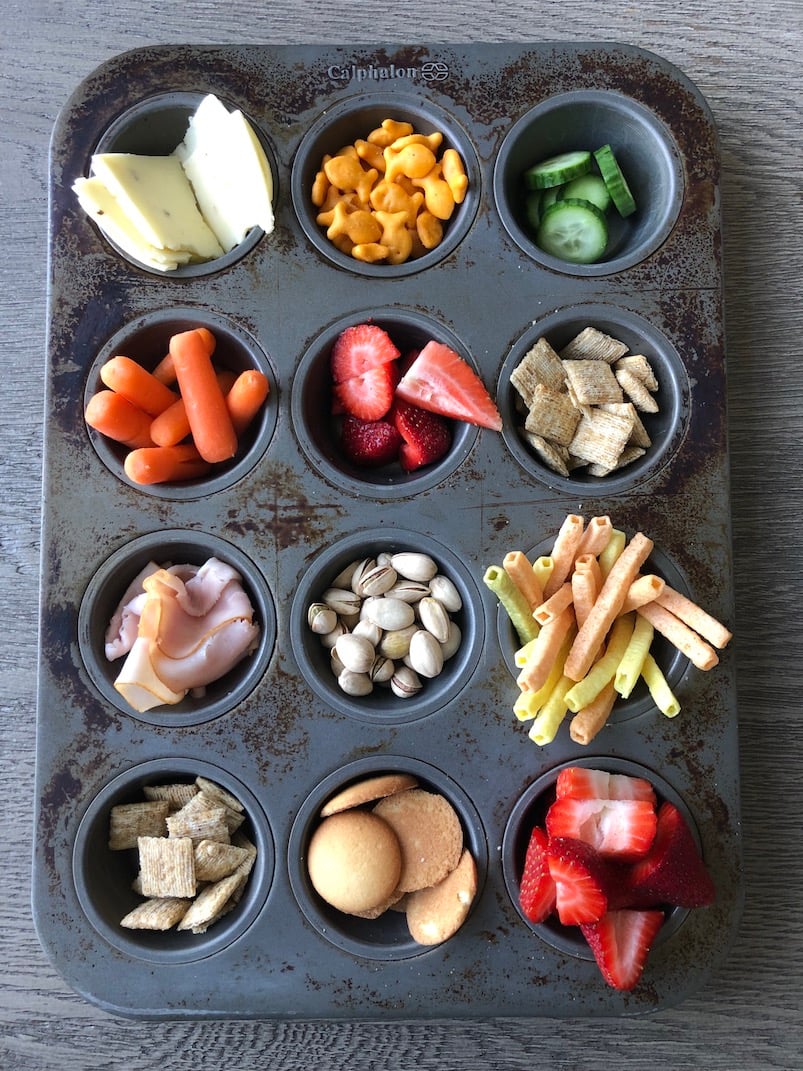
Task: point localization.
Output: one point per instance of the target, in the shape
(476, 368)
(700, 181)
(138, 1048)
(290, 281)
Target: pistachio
(329, 639)
(426, 656)
(321, 618)
(375, 581)
(390, 613)
(356, 684)
(405, 682)
(413, 565)
(382, 669)
(335, 664)
(396, 642)
(355, 652)
(383, 557)
(434, 618)
(368, 629)
(343, 578)
(452, 643)
(341, 601)
(408, 590)
(445, 591)
(360, 569)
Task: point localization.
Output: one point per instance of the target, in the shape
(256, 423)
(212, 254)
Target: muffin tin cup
(317, 428)
(386, 938)
(382, 707)
(586, 120)
(155, 126)
(673, 664)
(105, 590)
(530, 810)
(103, 877)
(146, 340)
(354, 118)
(667, 428)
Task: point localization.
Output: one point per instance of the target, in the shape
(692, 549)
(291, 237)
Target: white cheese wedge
(99, 205)
(229, 172)
(153, 192)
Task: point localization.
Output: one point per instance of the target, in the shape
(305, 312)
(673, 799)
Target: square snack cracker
(176, 794)
(592, 382)
(200, 819)
(541, 364)
(601, 437)
(594, 345)
(211, 903)
(214, 860)
(218, 793)
(167, 867)
(552, 416)
(159, 913)
(130, 821)
(556, 457)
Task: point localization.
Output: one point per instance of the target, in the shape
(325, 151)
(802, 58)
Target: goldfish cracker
(454, 173)
(429, 229)
(432, 141)
(370, 154)
(346, 173)
(370, 252)
(359, 224)
(392, 197)
(320, 188)
(389, 131)
(395, 236)
(438, 196)
(414, 160)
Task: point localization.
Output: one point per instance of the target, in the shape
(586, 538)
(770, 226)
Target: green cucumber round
(587, 188)
(558, 169)
(615, 181)
(573, 230)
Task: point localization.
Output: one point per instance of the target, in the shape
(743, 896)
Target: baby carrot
(136, 383)
(113, 415)
(212, 430)
(164, 464)
(245, 398)
(165, 370)
(173, 425)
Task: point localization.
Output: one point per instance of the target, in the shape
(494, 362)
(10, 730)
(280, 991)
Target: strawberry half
(583, 784)
(617, 829)
(621, 941)
(537, 887)
(441, 381)
(427, 436)
(673, 871)
(358, 349)
(369, 443)
(581, 881)
(368, 396)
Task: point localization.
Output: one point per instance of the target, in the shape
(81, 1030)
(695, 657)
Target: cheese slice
(155, 195)
(229, 172)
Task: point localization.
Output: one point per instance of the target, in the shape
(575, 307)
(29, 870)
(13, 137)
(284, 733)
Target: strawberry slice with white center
(581, 881)
(537, 888)
(368, 396)
(359, 348)
(621, 941)
(585, 784)
(442, 382)
(618, 829)
(673, 871)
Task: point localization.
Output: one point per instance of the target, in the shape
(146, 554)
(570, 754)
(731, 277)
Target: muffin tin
(288, 513)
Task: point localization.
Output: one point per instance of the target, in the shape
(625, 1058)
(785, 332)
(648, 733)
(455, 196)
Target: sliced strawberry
(427, 436)
(617, 829)
(369, 443)
(581, 881)
(360, 348)
(673, 871)
(621, 941)
(368, 396)
(537, 887)
(441, 381)
(580, 783)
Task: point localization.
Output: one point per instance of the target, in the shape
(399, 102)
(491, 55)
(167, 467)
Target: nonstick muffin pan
(289, 513)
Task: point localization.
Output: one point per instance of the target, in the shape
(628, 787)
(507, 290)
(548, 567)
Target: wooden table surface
(745, 58)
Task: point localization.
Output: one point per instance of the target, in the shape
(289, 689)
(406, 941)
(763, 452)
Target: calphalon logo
(431, 71)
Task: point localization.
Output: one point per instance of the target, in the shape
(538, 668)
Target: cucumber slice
(615, 181)
(557, 169)
(573, 230)
(587, 188)
(532, 210)
(548, 197)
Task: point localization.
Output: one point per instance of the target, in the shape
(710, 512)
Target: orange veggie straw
(114, 416)
(165, 464)
(137, 384)
(173, 425)
(244, 400)
(212, 430)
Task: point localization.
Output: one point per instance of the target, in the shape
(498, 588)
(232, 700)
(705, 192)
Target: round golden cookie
(354, 861)
(429, 833)
(366, 791)
(437, 913)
